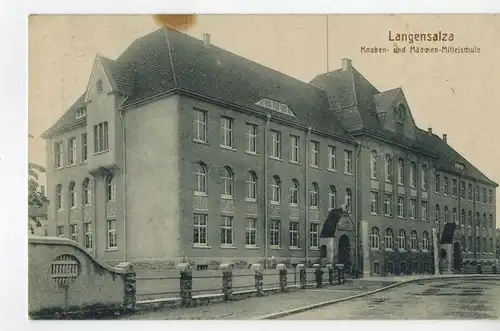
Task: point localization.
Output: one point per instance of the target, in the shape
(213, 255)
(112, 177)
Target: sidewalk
(255, 307)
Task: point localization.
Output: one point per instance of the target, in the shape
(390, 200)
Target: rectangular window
(454, 188)
(251, 138)
(401, 207)
(60, 231)
(424, 178)
(276, 144)
(87, 229)
(200, 125)
(469, 192)
(226, 230)
(413, 209)
(347, 162)
(294, 234)
(226, 131)
(251, 233)
(101, 137)
(424, 210)
(294, 142)
(112, 234)
(490, 197)
(462, 190)
(58, 154)
(200, 229)
(388, 205)
(374, 202)
(275, 233)
(438, 183)
(477, 194)
(484, 195)
(332, 158)
(71, 151)
(446, 189)
(314, 235)
(314, 153)
(84, 147)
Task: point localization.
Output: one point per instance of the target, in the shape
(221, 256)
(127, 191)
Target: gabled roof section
(68, 119)
(448, 156)
(384, 100)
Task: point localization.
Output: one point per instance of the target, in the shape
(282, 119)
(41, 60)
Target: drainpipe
(124, 172)
(306, 179)
(266, 186)
(94, 206)
(357, 189)
(474, 220)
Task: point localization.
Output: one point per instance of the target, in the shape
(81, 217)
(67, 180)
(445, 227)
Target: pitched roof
(166, 59)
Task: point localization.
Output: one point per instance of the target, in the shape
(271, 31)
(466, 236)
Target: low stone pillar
(186, 283)
(227, 281)
(259, 279)
(302, 276)
(282, 276)
(330, 274)
(129, 279)
(319, 275)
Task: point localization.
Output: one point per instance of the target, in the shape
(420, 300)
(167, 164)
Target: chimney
(206, 39)
(445, 137)
(429, 130)
(346, 64)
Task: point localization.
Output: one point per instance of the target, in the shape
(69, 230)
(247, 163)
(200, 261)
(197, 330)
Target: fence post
(302, 276)
(319, 275)
(282, 276)
(259, 279)
(186, 283)
(330, 273)
(129, 280)
(227, 281)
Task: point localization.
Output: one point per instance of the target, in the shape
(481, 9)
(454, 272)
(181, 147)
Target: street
(443, 299)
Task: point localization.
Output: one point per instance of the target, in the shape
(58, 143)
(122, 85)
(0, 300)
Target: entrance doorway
(344, 256)
(457, 256)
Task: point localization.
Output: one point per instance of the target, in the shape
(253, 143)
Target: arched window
(110, 188)
(348, 199)
(469, 218)
(294, 192)
(424, 178)
(402, 239)
(72, 195)
(462, 217)
(374, 165)
(414, 240)
(438, 213)
(201, 178)
(251, 186)
(425, 241)
(491, 221)
(484, 221)
(314, 195)
(87, 192)
(227, 182)
(400, 118)
(388, 168)
(413, 174)
(275, 189)
(375, 238)
(332, 198)
(59, 197)
(388, 238)
(454, 216)
(401, 171)
(445, 214)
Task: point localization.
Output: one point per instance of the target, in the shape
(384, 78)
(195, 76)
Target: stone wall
(64, 281)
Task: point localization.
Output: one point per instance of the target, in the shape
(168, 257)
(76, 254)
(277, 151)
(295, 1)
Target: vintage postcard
(264, 167)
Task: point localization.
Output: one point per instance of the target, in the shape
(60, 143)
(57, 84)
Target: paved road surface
(440, 299)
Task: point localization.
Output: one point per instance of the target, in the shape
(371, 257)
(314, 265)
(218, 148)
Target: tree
(35, 198)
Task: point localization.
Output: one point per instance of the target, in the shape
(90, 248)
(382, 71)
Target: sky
(454, 94)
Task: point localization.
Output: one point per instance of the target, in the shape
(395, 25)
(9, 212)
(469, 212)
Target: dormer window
(459, 166)
(400, 118)
(276, 106)
(82, 112)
